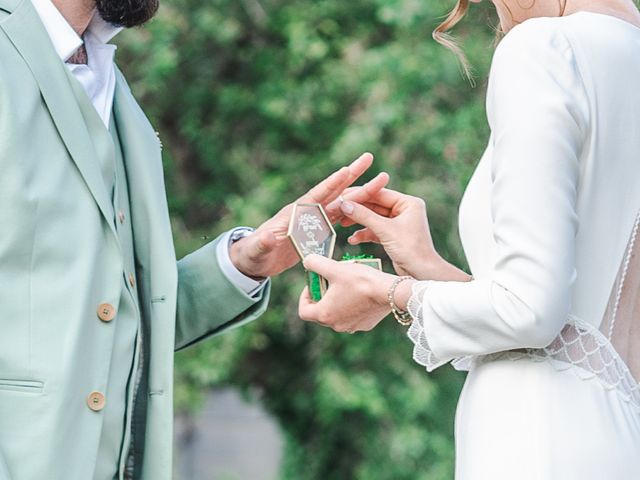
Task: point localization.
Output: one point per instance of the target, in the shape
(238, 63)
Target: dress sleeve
(538, 114)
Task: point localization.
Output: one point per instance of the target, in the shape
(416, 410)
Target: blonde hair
(442, 36)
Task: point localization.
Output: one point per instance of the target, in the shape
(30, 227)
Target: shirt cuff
(247, 284)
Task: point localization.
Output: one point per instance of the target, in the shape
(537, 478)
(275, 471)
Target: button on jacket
(65, 272)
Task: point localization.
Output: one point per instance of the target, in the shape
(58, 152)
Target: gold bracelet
(402, 316)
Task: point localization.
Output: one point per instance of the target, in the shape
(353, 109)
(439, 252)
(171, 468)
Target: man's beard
(127, 13)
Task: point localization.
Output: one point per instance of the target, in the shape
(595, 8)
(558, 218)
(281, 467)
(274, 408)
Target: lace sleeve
(422, 353)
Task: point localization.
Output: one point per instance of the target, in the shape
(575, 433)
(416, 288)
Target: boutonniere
(159, 140)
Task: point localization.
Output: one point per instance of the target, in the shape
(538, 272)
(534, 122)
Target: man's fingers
(330, 188)
(360, 165)
(323, 266)
(369, 189)
(357, 194)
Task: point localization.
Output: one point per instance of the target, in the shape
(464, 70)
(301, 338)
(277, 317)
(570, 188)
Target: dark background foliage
(255, 101)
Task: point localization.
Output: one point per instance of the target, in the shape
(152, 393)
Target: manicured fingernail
(346, 207)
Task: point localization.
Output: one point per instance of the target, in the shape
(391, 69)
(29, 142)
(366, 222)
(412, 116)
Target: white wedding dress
(549, 328)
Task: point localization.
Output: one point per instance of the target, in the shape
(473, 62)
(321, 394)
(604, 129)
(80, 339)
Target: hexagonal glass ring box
(310, 231)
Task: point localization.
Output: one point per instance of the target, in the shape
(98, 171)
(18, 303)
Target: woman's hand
(400, 224)
(268, 251)
(357, 297)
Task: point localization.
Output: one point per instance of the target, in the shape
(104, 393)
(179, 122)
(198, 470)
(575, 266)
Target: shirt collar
(64, 38)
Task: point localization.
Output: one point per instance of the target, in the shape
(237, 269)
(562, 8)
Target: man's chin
(127, 13)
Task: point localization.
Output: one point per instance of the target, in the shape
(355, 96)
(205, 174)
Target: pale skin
(267, 251)
(77, 12)
(522, 10)
(357, 298)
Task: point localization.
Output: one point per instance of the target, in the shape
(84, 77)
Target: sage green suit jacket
(60, 258)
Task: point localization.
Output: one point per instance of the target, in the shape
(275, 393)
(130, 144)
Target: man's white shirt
(98, 79)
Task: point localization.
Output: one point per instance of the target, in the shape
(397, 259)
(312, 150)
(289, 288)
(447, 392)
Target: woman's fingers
(357, 194)
(364, 235)
(382, 211)
(387, 198)
(308, 310)
(364, 216)
(386, 203)
(323, 266)
(369, 189)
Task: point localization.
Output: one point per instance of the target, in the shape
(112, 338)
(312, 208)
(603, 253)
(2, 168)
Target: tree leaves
(255, 101)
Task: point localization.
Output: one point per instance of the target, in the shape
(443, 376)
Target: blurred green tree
(255, 101)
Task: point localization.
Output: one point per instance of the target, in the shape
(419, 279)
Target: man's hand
(268, 251)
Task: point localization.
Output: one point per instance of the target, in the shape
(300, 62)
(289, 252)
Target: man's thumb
(266, 242)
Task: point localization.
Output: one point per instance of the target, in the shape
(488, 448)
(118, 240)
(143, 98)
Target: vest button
(121, 216)
(96, 401)
(106, 312)
(132, 280)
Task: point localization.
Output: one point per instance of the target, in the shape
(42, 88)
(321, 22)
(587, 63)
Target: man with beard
(92, 301)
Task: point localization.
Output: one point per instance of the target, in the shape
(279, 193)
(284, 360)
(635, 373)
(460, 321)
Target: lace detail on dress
(607, 354)
(579, 347)
(588, 353)
(422, 353)
(611, 358)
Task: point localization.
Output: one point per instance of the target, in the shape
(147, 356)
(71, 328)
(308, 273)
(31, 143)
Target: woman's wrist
(382, 286)
(400, 291)
(434, 267)
(402, 294)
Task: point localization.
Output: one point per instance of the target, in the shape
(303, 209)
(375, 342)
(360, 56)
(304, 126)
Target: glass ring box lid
(311, 232)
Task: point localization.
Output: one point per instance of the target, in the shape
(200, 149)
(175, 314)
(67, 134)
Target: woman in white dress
(549, 324)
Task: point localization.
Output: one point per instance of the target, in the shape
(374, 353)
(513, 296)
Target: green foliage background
(255, 101)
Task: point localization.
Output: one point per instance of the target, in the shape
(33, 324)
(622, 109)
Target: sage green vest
(127, 376)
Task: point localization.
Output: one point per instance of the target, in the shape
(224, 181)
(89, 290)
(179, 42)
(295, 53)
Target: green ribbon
(347, 257)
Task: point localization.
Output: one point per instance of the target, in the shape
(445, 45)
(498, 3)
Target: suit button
(106, 312)
(132, 280)
(121, 216)
(96, 401)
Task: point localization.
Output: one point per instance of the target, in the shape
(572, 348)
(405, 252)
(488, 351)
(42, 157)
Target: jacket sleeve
(538, 114)
(208, 302)
(4, 470)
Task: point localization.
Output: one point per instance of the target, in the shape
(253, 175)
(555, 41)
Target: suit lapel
(149, 212)
(26, 32)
